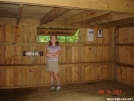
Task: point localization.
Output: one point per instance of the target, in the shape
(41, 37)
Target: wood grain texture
(2, 55)
(2, 78)
(70, 92)
(79, 62)
(17, 36)
(8, 33)
(124, 52)
(102, 5)
(2, 35)
(9, 55)
(9, 78)
(17, 77)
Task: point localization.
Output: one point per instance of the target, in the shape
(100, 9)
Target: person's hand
(54, 53)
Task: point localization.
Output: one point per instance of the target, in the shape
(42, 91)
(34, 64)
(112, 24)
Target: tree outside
(60, 38)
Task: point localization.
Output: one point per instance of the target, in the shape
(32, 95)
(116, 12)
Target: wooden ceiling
(70, 14)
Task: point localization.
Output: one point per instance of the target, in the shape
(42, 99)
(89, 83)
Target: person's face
(53, 39)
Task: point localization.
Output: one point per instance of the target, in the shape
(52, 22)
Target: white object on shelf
(90, 34)
(40, 53)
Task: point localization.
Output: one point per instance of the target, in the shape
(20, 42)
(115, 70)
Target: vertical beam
(112, 32)
(113, 42)
(116, 53)
(19, 13)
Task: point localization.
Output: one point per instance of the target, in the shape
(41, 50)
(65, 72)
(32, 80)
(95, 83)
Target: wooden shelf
(125, 65)
(6, 66)
(97, 44)
(61, 44)
(39, 44)
(124, 44)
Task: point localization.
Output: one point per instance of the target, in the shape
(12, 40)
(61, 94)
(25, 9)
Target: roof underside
(67, 17)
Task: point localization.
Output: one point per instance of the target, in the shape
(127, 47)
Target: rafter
(108, 18)
(19, 13)
(79, 23)
(111, 18)
(119, 23)
(57, 31)
(111, 5)
(103, 19)
(85, 15)
(53, 14)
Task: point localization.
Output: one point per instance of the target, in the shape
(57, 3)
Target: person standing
(53, 52)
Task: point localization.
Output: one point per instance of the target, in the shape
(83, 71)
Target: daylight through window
(60, 38)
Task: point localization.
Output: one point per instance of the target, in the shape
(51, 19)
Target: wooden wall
(124, 55)
(79, 62)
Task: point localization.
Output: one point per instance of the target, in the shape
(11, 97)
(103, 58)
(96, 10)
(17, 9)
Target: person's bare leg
(52, 80)
(51, 76)
(57, 77)
(58, 81)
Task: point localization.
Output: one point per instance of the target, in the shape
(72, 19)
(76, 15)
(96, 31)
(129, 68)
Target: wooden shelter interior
(108, 58)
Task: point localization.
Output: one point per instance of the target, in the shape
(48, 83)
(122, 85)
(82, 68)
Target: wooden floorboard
(70, 92)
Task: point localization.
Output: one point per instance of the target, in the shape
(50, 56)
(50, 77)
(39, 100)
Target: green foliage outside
(60, 38)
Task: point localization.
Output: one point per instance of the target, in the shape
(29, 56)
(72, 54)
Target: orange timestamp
(115, 91)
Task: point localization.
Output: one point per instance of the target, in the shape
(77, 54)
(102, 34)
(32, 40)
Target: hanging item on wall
(90, 34)
(100, 33)
(35, 53)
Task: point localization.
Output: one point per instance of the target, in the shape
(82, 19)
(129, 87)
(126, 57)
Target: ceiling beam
(80, 22)
(57, 31)
(54, 30)
(111, 18)
(85, 15)
(119, 23)
(19, 13)
(125, 6)
(105, 19)
(53, 14)
(58, 25)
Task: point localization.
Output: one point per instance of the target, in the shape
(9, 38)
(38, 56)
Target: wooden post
(112, 31)
(116, 52)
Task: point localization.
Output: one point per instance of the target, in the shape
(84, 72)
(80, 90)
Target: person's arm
(49, 54)
(56, 55)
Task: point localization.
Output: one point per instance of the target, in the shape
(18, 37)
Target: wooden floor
(72, 92)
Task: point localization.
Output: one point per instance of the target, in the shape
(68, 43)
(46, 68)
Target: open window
(64, 35)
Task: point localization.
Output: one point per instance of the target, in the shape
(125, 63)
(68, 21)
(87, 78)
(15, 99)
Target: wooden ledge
(96, 44)
(11, 66)
(39, 44)
(61, 44)
(125, 65)
(124, 44)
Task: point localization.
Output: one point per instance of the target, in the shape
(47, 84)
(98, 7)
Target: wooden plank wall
(94, 51)
(29, 72)
(124, 53)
